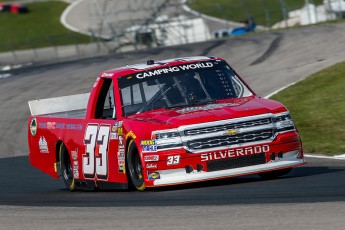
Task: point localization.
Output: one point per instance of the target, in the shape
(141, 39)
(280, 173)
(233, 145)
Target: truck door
(103, 160)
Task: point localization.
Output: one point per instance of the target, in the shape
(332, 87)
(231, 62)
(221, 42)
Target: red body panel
(73, 133)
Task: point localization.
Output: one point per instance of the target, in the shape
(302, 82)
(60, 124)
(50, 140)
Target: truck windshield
(179, 86)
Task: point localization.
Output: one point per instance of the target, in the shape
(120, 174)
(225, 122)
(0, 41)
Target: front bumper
(180, 176)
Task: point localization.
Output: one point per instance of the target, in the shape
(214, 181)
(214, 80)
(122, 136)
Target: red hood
(210, 112)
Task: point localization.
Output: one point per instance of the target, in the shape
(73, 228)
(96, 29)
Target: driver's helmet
(192, 87)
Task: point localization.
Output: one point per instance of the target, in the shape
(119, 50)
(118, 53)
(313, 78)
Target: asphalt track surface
(311, 197)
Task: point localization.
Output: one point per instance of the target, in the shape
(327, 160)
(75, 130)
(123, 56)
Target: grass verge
(317, 105)
(265, 12)
(40, 27)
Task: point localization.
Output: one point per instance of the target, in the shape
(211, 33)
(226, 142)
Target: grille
(245, 124)
(239, 162)
(220, 141)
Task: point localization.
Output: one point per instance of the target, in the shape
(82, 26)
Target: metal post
(13, 51)
(307, 7)
(33, 49)
(284, 10)
(315, 12)
(267, 14)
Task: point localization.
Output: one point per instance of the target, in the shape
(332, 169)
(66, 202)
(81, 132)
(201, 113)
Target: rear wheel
(274, 174)
(135, 168)
(66, 168)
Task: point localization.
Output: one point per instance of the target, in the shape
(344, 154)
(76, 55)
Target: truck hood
(210, 112)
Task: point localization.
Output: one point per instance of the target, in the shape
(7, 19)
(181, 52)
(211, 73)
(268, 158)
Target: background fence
(138, 24)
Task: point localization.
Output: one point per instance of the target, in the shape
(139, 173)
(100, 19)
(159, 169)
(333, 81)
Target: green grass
(317, 105)
(265, 12)
(40, 27)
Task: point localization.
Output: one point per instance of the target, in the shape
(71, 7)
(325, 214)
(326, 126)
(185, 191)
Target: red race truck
(162, 123)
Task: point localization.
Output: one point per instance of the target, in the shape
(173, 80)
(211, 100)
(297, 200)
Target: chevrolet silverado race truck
(162, 123)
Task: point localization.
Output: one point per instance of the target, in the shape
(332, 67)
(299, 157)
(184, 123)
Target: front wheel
(135, 168)
(274, 174)
(66, 168)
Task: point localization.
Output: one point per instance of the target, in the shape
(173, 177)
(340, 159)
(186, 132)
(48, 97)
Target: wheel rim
(137, 168)
(67, 168)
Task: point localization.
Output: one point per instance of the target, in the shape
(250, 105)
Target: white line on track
(281, 89)
(6, 75)
(337, 157)
(66, 24)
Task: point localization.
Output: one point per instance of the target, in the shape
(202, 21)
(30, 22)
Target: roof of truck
(151, 64)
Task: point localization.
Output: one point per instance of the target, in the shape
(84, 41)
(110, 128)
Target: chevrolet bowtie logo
(231, 132)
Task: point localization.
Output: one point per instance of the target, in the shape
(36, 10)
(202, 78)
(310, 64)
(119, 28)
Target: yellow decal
(119, 131)
(131, 134)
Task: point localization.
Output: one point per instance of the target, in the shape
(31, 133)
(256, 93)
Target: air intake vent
(238, 162)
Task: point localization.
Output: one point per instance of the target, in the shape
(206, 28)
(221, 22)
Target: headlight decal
(166, 139)
(284, 122)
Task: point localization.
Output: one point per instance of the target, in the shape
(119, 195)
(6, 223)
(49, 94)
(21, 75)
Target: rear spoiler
(59, 104)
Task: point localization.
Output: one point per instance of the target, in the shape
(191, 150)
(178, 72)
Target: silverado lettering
(235, 153)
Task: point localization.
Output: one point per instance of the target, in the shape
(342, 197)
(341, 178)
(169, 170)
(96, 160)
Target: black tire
(66, 168)
(274, 174)
(135, 168)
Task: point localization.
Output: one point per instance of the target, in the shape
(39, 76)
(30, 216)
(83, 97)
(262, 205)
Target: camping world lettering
(174, 69)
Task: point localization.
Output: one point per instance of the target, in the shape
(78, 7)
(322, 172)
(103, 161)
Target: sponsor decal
(114, 127)
(51, 125)
(113, 136)
(130, 134)
(235, 153)
(60, 125)
(153, 175)
(74, 154)
(75, 164)
(121, 153)
(43, 145)
(33, 126)
(119, 131)
(148, 145)
(120, 123)
(54, 125)
(151, 166)
(150, 148)
(74, 126)
(107, 74)
(121, 145)
(75, 173)
(42, 125)
(147, 142)
(174, 69)
(122, 169)
(121, 160)
(203, 108)
(151, 158)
